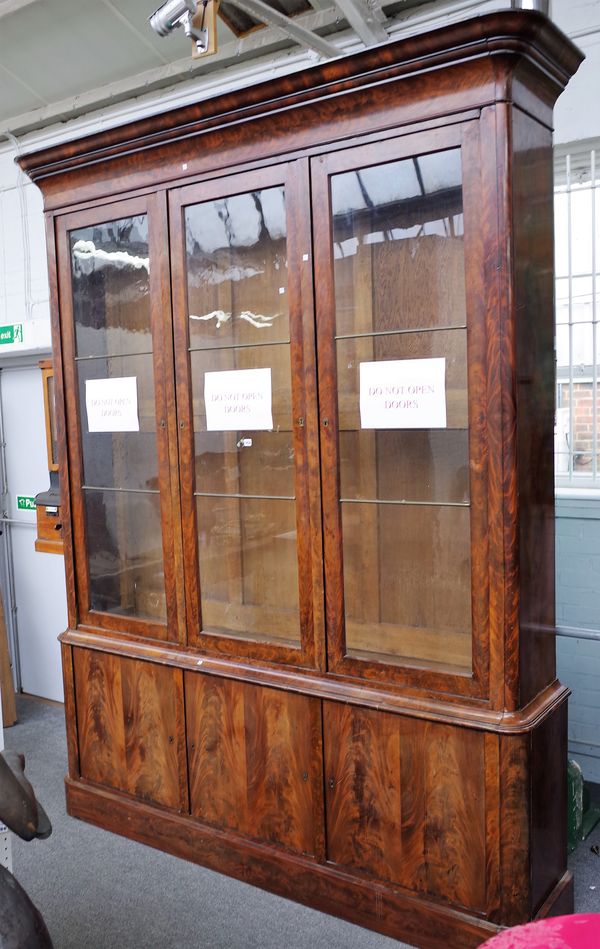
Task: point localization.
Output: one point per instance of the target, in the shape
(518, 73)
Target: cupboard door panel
(246, 391)
(130, 724)
(402, 397)
(405, 802)
(255, 761)
(117, 357)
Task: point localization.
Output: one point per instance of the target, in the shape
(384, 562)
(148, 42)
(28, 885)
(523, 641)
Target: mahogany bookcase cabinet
(303, 340)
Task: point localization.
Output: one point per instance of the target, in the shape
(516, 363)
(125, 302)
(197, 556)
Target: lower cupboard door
(406, 802)
(130, 725)
(255, 761)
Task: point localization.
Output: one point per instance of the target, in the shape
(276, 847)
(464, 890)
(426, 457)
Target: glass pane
(562, 300)
(448, 344)
(125, 554)
(237, 270)
(258, 463)
(581, 232)
(407, 583)
(111, 290)
(398, 245)
(561, 234)
(242, 408)
(248, 568)
(273, 358)
(120, 459)
(405, 465)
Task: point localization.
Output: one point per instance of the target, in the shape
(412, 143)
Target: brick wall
(583, 422)
(578, 604)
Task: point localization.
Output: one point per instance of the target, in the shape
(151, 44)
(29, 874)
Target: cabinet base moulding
(323, 887)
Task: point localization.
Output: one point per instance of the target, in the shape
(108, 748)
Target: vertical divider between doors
(184, 419)
(160, 277)
(306, 397)
(328, 412)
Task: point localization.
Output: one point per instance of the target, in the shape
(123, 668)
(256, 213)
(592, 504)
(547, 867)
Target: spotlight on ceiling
(176, 13)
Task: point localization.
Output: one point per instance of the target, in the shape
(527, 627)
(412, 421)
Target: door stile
(61, 424)
(166, 428)
(328, 413)
(183, 416)
(305, 258)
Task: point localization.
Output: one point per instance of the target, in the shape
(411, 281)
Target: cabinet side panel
(535, 373)
(406, 802)
(548, 806)
(254, 758)
(514, 824)
(129, 717)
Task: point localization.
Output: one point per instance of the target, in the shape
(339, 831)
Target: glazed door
(402, 354)
(114, 279)
(246, 394)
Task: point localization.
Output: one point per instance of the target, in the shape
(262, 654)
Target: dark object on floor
(21, 924)
(19, 809)
(582, 815)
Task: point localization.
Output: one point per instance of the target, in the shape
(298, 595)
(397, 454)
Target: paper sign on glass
(403, 393)
(112, 405)
(237, 399)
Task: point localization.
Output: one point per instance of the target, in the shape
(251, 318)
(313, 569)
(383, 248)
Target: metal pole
(8, 580)
(574, 632)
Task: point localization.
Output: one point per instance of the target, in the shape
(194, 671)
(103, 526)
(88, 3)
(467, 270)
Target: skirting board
(323, 887)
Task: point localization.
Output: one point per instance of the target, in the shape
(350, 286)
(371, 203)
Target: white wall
(577, 113)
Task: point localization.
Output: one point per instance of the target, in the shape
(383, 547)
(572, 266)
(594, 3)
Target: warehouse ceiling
(61, 58)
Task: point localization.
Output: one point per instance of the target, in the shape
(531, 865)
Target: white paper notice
(112, 405)
(237, 399)
(403, 393)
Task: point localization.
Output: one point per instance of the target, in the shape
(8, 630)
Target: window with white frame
(577, 268)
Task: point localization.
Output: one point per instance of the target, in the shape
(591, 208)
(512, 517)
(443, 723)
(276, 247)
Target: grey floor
(100, 891)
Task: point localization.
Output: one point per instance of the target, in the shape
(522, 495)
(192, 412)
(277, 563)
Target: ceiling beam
(11, 6)
(252, 58)
(364, 21)
(266, 14)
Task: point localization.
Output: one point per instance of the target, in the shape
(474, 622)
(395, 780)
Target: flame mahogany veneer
(418, 800)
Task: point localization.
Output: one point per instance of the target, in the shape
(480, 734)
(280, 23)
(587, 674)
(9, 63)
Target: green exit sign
(11, 334)
(24, 503)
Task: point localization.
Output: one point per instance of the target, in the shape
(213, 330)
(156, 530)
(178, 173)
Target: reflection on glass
(125, 554)
(110, 268)
(237, 270)
(245, 480)
(398, 245)
(398, 254)
(248, 568)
